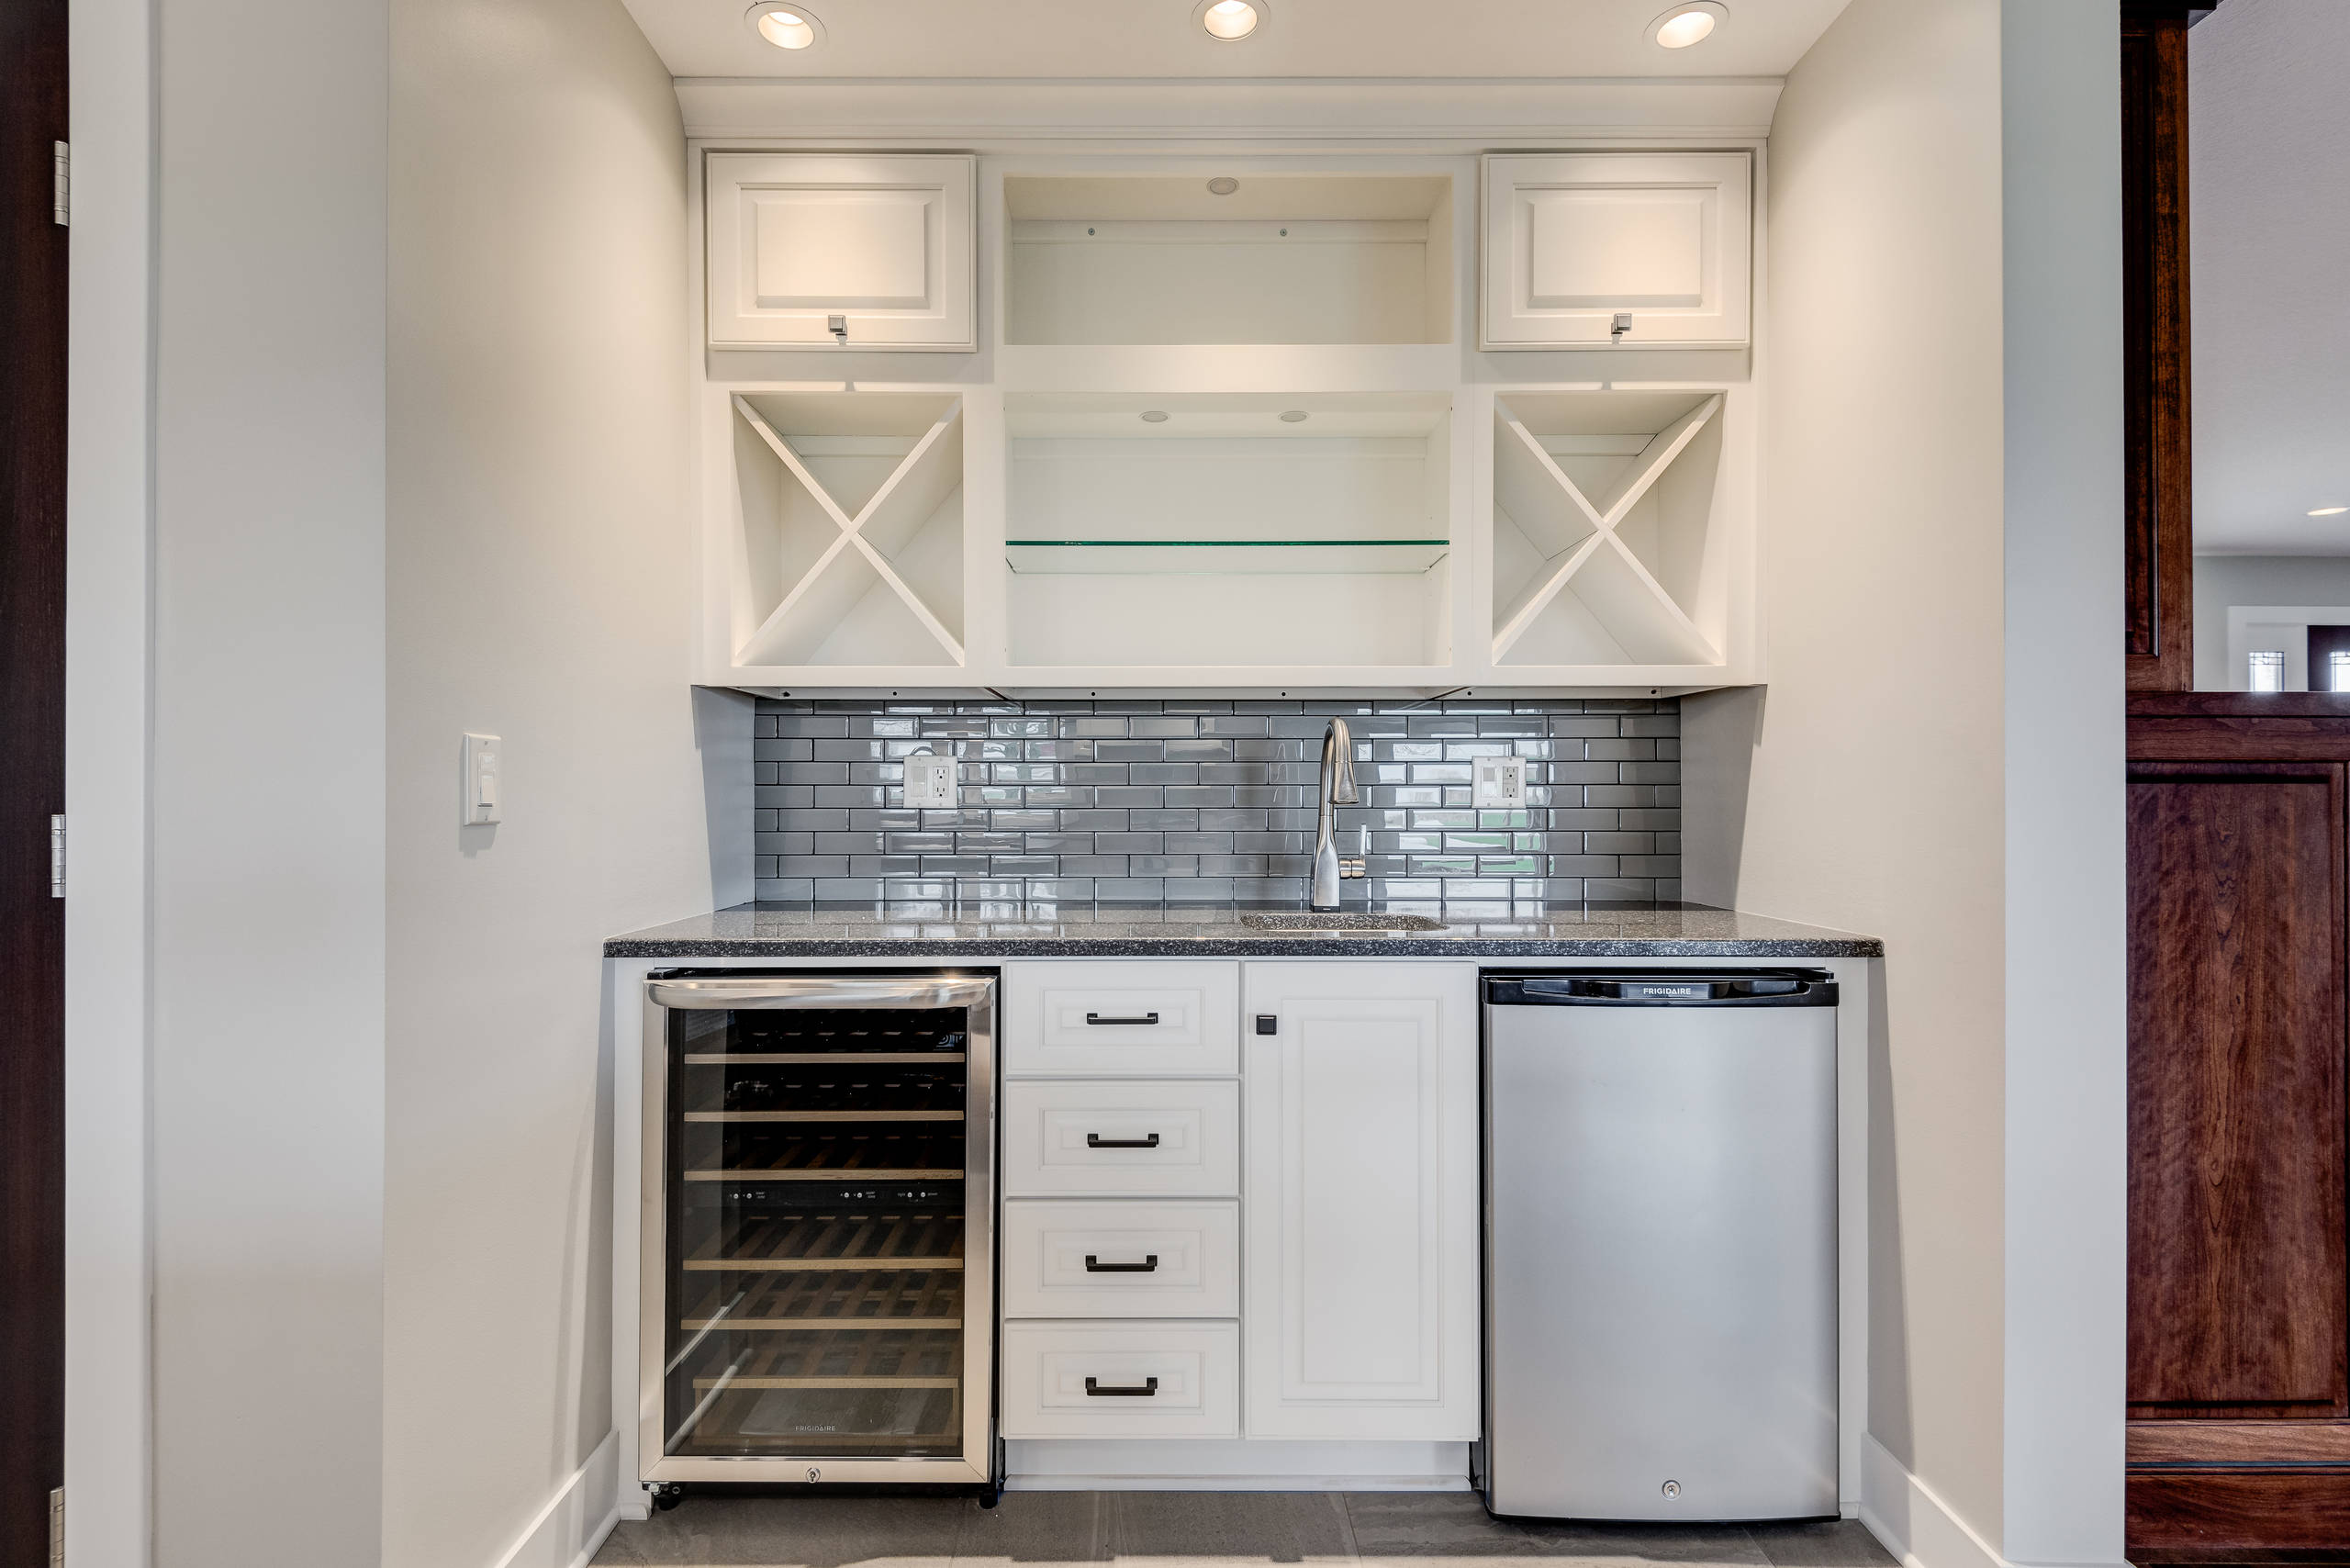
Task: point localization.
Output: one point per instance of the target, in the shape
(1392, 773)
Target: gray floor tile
(1826, 1543)
(1035, 1527)
(1180, 1529)
(1197, 1529)
(1430, 1530)
(794, 1532)
(1630, 1545)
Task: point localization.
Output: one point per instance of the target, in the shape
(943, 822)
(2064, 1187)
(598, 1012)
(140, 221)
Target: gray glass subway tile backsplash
(1147, 802)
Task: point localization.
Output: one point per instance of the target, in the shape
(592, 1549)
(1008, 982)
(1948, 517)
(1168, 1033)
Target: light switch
(481, 786)
(930, 780)
(1500, 784)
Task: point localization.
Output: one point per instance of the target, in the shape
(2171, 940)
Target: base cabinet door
(1361, 1315)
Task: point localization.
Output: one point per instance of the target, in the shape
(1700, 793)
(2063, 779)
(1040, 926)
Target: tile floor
(1197, 1529)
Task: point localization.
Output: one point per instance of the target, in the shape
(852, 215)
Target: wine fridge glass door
(819, 1171)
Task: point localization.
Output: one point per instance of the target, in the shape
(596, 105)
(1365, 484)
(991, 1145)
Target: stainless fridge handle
(766, 993)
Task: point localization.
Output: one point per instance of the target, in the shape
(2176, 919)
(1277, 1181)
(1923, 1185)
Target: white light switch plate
(1500, 783)
(483, 787)
(930, 780)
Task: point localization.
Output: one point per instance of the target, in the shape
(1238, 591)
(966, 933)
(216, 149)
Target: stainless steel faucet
(1335, 788)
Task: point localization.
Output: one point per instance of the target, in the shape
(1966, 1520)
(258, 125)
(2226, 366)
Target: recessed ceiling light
(1693, 21)
(1292, 416)
(1154, 416)
(1223, 185)
(2328, 511)
(1231, 20)
(786, 27)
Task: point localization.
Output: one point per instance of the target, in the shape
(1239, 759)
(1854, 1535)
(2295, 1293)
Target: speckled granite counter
(1684, 931)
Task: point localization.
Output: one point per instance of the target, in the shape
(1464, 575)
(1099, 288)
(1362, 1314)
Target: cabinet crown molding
(1470, 114)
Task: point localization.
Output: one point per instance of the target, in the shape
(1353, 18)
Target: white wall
(2067, 1070)
(267, 871)
(109, 478)
(1937, 758)
(1865, 789)
(539, 582)
(2223, 582)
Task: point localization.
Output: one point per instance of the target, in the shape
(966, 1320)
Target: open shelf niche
(1607, 551)
(850, 545)
(1239, 531)
(1236, 258)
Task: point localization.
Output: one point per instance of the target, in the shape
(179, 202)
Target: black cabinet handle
(1095, 1140)
(1095, 1391)
(1149, 1265)
(1096, 1019)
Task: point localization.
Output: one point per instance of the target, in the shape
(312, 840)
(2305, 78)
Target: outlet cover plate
(930, 782)
(1499, 784)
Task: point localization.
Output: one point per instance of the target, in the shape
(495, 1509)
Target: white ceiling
(1099, 39)
(2269, 275)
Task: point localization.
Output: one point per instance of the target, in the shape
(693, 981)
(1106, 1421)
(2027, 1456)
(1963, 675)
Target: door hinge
(61, 184)
(57, 1527)
(57, 857)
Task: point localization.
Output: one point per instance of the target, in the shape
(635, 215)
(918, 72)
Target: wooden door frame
(32, 775)
(2159, 535)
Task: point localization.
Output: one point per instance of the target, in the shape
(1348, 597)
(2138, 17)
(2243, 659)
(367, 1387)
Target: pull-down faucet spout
(1335, 788)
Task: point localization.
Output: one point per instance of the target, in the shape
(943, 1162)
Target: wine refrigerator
(818, 1274)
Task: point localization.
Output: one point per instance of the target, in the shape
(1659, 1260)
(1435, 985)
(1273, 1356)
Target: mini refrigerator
(818, 1271)
(1660, 1244)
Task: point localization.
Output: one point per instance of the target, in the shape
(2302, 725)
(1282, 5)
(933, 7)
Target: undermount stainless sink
(1350, 920)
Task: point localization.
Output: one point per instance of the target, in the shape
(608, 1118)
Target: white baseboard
(1914, 1524)
(568, 1530)
(1063, 1464)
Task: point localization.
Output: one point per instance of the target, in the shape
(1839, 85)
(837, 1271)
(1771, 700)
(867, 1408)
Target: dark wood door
(32, 777)
(2237, 1030)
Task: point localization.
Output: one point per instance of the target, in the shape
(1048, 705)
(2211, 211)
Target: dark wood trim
(2323, 705)
(2228, 1512)
(2292, 726)
(2159, 537)
(32, 776)
(2256, 1442)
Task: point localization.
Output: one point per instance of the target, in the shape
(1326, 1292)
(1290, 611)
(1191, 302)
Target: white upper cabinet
(1576, 244)
(885, 244)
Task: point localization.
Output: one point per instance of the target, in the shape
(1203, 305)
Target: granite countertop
(1010, 931)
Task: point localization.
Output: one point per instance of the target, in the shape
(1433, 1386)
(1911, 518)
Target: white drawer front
(1140, 1020)
(1190, 1374)
(1121, 1259)
(1177, 1140)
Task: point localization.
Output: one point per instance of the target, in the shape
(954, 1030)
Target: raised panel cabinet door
(1360, 1298)
(2237, 1298)
(885, 242)
(1574, 241)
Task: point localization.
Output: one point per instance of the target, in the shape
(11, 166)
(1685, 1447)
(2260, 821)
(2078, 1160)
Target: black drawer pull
(1095, 1391)
(1149, 1265)
(1096, 1019)
(1095, 1140)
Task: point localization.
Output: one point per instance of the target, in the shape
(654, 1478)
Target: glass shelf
(1225, 557)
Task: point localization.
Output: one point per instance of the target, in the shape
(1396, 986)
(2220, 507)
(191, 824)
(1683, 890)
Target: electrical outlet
(1500, 784)
(930, 782)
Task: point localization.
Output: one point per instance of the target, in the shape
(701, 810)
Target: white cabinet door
(1573, 240)
(1361, 1286)
(885, 242)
